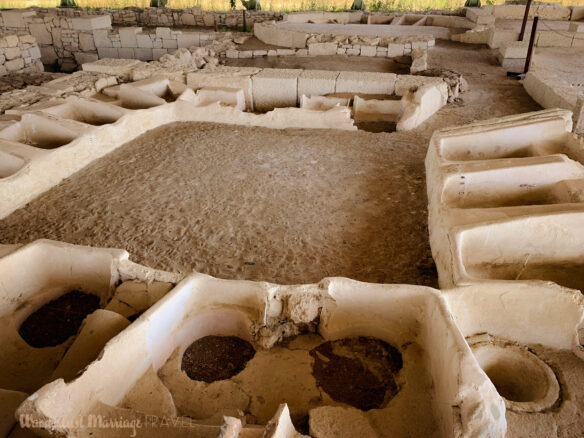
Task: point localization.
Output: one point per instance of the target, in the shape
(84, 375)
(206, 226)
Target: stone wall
(171, 17)
(19, 54)
(69, 41)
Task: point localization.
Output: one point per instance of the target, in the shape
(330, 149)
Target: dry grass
(274, 5)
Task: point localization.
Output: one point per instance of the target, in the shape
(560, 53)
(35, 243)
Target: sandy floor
(288, 206)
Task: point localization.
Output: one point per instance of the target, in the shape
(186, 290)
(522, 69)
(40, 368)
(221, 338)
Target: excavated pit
(214, 358)
(357, 371)
(58, 320)
(526, 382)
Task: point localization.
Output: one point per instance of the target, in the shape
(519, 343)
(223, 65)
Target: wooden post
(215, 21)
(531, 43)
(244, 25)
(525, 17)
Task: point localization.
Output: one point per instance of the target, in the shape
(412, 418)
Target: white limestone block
(316, 82)
(275, 88)
(128, 36)
(92, 22)
(365, 82)
(230, 77)
(316, 49)
(233, 97)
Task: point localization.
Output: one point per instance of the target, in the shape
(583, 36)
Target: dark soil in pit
(58, 320)
(216, 358)
(357, 371)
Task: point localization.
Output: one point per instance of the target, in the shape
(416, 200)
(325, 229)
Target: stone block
(232, 54)
(316, 83)
(270, 33)
(86, 42)
(577, 13)
(107, 52)
(260, 53)
(353, 52)
(512, 64)
(144, 41)
(101, 38)
(368, 50)
(318, 49)
(40, 33)
(275, 88)
(302, 52)
(246, 54)
(514, 49)
(169, 44)
(479, 16)
(12, 52)
(126, 52)
(143, 54)
(552, 11)
(34, 52)
(163, 33)
(83, 58)
(549, 38)
(9, 41)
(188, 19)
(285, 52)
(225, 96)
(116, 67)
(395, 50)
(230, 77)
(92, 22)
(365, 82)
(14, 65)
(381, 51)
(272, 53)
(128, 36)
(15, 18)
(157, 53)
(576, 27)
(499, 36)
(187, 40)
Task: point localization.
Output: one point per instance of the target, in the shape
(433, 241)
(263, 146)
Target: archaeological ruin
(256, 223)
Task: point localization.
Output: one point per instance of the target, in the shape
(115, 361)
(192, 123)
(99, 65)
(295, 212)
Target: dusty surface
(216, 358)
(399, 65)
(288, 206)
(58, 320)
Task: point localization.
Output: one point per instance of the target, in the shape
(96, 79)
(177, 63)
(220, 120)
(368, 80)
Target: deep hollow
(213, 358)
(357, 371)
(58, 320)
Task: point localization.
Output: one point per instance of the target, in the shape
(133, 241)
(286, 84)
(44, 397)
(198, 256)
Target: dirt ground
(289, 206)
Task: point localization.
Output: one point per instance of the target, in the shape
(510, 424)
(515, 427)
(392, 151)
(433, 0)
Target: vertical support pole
(531, 44)
(525, 17)
(215, 21)
(244, 25)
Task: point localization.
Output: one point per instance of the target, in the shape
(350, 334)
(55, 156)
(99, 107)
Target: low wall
(19, 54)
(70, 41)
(169, 17)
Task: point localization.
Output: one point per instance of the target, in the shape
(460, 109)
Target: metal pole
(531, 42)
(525, 17)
